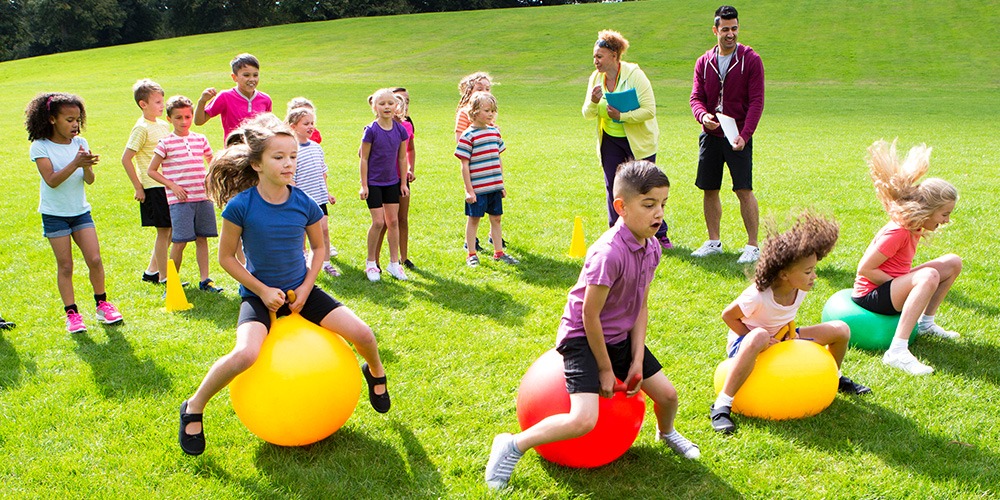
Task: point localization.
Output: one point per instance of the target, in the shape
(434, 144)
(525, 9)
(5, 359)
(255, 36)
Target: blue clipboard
(623, 101)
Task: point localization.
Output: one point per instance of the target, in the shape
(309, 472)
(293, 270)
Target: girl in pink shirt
(886, 283)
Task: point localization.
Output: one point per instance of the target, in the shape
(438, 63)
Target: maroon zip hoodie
(743, 96)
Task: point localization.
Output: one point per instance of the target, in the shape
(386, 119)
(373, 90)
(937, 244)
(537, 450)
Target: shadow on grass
(467, 299)
(542, 270)
(651, 471)
(206, 467)
(11, 365)
(352, 282)
(349, 464)
(723, 264)
(223, 309)
(961, 300)
(117, 371)
(963, 357)
(858, 423)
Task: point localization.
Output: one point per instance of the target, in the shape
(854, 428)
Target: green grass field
(95, 415)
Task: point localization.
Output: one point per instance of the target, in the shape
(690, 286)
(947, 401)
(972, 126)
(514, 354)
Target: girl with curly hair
(886, 283)
(764, 314)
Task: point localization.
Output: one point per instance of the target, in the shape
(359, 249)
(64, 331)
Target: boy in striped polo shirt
(182, 156)
(479, 149)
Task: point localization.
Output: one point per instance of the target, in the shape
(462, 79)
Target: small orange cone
(578, 248)
(176, 300)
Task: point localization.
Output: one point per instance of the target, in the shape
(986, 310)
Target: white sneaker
(750, 254)
(907, 362)
(707, 248)
(373, 272)
(333, 251)
(937, 331)
(680, 444)
(396, 271)
(503, 458)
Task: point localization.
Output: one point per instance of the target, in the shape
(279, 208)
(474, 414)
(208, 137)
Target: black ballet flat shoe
(192, 444)
(380, 402)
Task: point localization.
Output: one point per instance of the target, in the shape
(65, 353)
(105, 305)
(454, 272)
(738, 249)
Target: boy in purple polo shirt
(238, 103)
(602, 333)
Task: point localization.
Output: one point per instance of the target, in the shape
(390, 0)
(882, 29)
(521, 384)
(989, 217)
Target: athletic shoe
(848, 386)
(907, 362)
(503, 457)
(330, 270)
(749, 255)
(333, 251)
(665, 242)
(408, 264)
(478, 247)
(396, 271)
(722, 419)
(707, 248)
(6, 325)
(108, 313)
(74, 322)
(490, 240)
(680, 444)
(472, 261)
(506, 259)
(373, 272)
(151, 277)
(207, 285)
(937, 331)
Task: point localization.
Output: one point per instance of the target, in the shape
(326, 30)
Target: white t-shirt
(761, 311)
(67, 199)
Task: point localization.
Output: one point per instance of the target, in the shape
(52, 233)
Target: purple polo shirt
(626, 265)
(235, 107)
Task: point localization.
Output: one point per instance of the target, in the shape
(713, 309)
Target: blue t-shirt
(67, 199)
(383, 163)
(273, 235)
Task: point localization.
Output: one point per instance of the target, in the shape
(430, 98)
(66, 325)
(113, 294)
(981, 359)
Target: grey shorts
(193, 220)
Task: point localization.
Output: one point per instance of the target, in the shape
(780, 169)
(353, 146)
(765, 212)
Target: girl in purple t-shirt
(383, 164)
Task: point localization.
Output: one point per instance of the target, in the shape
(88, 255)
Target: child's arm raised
(594, 299)
(154, 173)
(470, 194)
(127, 156)
(229, 244)
(199, 111)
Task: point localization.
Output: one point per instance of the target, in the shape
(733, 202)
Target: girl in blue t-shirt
(54, 122)
(253, 181)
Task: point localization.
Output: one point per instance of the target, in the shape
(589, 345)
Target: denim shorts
(56, 226)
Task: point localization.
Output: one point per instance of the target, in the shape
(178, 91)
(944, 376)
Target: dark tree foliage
(12, 28)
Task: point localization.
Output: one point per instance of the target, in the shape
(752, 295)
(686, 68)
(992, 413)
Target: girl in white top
(764, 313)
(65, 163)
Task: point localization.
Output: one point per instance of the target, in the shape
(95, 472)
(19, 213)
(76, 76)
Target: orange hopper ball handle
(621, 387)
(289, 298)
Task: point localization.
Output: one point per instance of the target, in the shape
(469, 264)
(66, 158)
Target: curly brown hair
(811, 234)
(45, 106)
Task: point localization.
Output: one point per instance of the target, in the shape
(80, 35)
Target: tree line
(37, 27)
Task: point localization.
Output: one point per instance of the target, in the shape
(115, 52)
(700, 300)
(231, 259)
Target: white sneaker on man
(707, 248)
(907, 362)
(749, 255)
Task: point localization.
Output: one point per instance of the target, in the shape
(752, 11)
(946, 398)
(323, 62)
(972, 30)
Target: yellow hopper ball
(791, 379)
(304, 385)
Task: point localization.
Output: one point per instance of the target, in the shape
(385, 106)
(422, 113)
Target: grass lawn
(95, 415)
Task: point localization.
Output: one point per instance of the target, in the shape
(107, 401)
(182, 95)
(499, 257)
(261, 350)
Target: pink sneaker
(108, 313)
(74, 323)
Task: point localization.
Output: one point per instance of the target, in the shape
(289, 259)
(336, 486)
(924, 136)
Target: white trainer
(503, 457)
(937, 331)
(749, 255)
(373, 272)
(396, 271)
(907, 362)
(707, 248)
(680, 444)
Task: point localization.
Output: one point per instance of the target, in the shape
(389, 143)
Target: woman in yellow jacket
(621, 135)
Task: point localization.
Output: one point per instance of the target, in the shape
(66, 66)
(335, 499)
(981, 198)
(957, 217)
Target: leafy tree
(56, 26)
(12, 28)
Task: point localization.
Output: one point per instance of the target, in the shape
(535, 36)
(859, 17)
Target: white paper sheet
(728, 128)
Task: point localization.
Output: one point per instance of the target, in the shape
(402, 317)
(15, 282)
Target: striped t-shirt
(482, 147)
(184, 164)
(310, 170)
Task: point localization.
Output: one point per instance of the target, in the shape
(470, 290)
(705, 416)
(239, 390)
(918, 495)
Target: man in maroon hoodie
(728, 80)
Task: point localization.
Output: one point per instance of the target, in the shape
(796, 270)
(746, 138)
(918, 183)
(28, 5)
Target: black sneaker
(722, 421)
(209, 286)
(6, 325)
(490, 239)
(409, 264)
(848, 386)
(479, 248)
(151, 278)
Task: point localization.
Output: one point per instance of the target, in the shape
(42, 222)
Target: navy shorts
(55, 226)
(317, 306)
(154, 211)
(713, 152)
(383, 195)
(879, 300)
(193, 220)
(580, 365)
(486, 203)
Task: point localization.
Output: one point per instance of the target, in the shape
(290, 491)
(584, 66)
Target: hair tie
(48, 103)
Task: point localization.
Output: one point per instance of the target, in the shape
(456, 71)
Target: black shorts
(382, 195)
(879, 300)
(580, 365)
(324, 209)
(317, 306)
(154, 211)
(712, 153)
